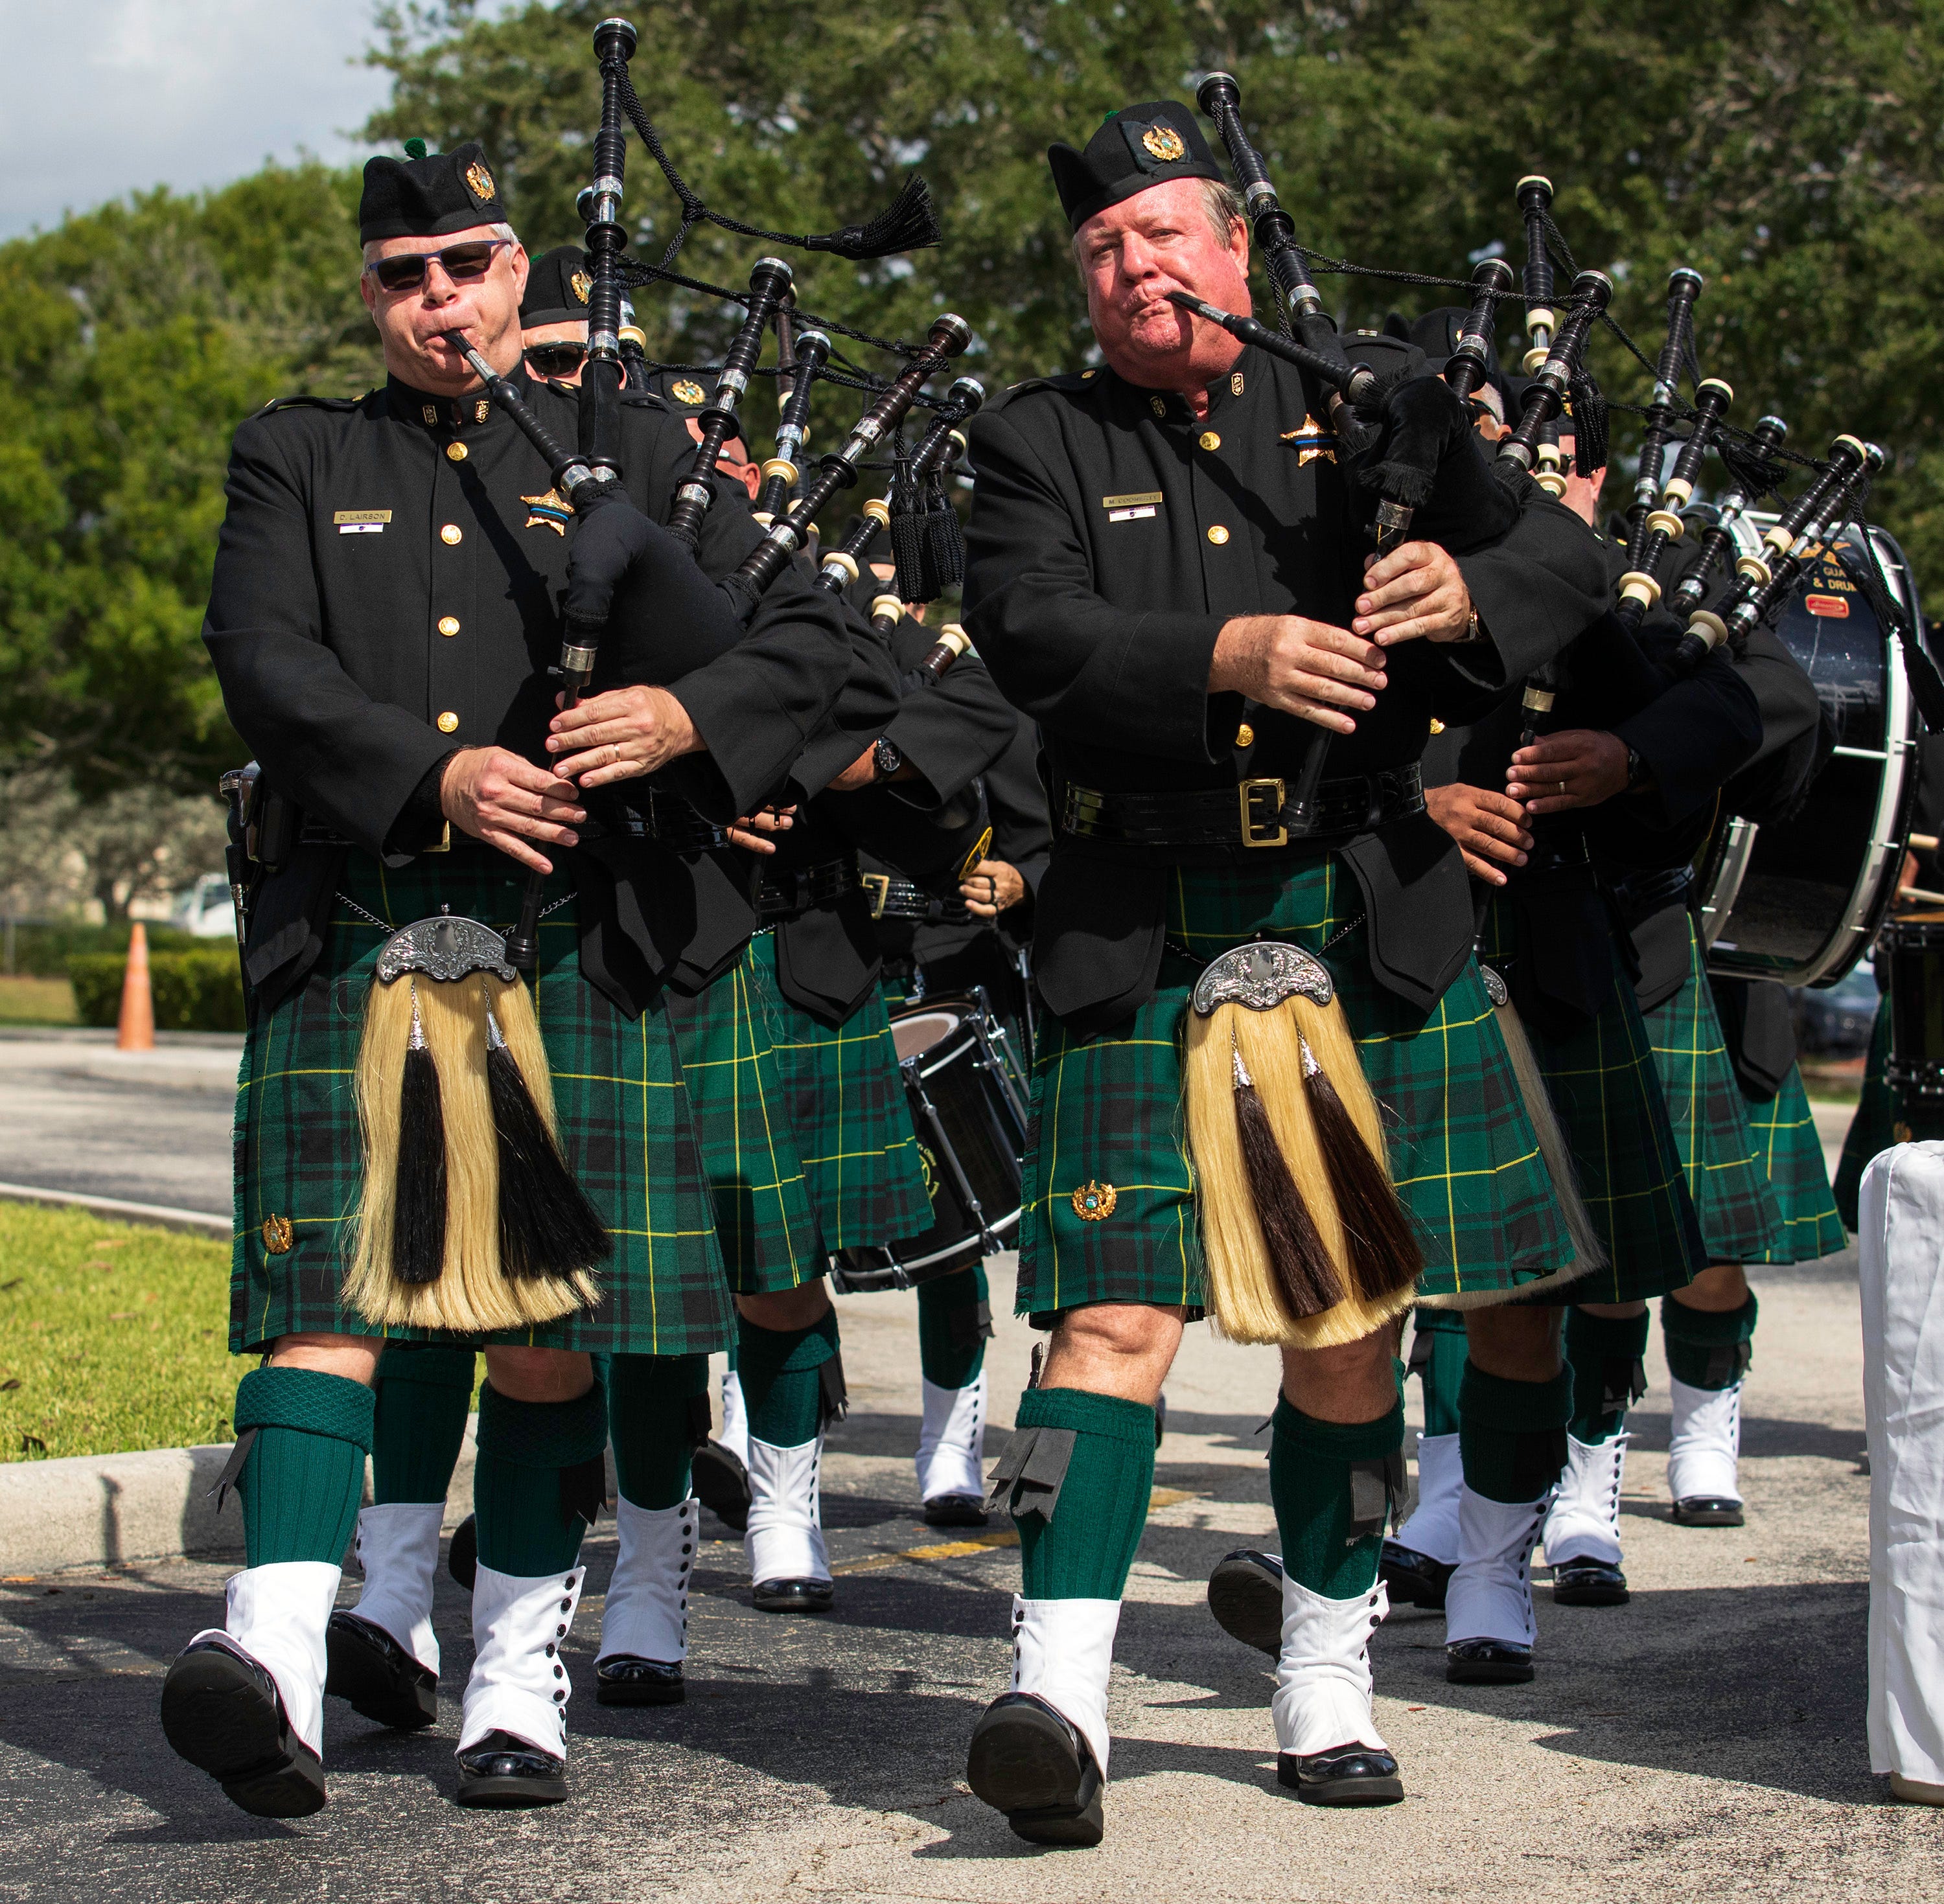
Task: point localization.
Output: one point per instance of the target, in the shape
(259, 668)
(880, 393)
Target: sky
(125, 94)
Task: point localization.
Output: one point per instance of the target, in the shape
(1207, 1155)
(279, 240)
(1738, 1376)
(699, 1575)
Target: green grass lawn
(37, 1001)
(111, 1337)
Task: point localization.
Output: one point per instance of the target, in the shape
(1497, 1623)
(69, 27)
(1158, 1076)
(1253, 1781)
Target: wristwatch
(886, 758)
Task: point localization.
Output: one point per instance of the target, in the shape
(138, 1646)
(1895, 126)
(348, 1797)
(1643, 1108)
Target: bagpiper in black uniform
(1122, 534)
(382, 617)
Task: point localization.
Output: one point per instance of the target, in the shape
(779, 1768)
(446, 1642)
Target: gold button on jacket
(448, 624)
(1209, 440)
(1217, 534)
(456, 451)
(447, 722)
(451, 532)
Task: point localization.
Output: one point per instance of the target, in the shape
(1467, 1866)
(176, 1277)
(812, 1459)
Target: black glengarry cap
(1138, 146)
(557, 287)
(429, 196)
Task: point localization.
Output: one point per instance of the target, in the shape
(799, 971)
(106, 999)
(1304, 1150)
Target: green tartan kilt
(765, 1218)
(1741, 1220)
(1792, 1153)
(1108, 1110)
(1606, 1094)
(853, 1125)
(624, 1115)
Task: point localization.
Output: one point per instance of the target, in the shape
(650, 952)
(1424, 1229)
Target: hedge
(193, 991)
(42, 950)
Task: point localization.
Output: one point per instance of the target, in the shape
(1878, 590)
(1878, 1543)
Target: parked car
(1837, 1022)
(205, 909)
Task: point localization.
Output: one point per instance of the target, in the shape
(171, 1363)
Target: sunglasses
(560, 360)
(464, 264)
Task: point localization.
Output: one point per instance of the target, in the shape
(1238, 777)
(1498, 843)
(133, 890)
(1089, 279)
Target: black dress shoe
(1588, 1584)
(1708, 1510)
(1245, 1596)
(1348, 1775)
(462, 1557)
(1032, 1762)
(793, 1596)
(382, 1680)
(956, 1510)
(627, 1679)
(721, 1484)
(504, 1773)
(1414, 1580)
(1487, 1662)
(221, 1711)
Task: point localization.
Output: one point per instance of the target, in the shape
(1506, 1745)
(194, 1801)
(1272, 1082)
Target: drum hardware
(1910, 949)
(1797, 901)
(961, 1081)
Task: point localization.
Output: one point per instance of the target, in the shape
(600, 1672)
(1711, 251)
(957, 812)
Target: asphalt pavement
(1705, 1741)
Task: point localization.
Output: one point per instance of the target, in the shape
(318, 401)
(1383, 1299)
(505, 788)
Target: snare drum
(1797, 900)
(968, 1106)
(1911, 948)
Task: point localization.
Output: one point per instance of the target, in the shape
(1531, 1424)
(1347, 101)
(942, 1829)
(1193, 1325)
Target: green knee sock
(1310, 1464)
(1708, 1350)
(1437, 1359)
(1512, 1435)
(954, 1317)
(524, 1480)
(1085, 1551)
(781, 1372)
(304, 1476)
(1604, 1356)
(651, 1415)
(423, 1393)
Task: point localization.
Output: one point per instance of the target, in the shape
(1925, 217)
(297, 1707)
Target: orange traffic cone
(136, 1030)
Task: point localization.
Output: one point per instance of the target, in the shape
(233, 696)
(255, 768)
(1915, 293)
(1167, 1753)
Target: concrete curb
(198, 1222)
(99, 1510)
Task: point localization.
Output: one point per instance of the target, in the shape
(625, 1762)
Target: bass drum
(967, 1099)
(1797, 901)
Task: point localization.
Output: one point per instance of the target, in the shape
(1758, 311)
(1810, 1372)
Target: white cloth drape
(1901, 1246)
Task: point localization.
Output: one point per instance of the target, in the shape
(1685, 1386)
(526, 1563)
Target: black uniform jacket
(1111, 535)
(386, 591)
(950, 731)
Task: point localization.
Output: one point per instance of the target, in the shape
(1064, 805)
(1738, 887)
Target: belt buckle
(878, 885)
(1260, 828)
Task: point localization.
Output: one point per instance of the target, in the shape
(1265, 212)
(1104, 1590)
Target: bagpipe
(469, 1218)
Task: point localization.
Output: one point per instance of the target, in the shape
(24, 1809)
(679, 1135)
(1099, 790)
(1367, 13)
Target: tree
(138, 337)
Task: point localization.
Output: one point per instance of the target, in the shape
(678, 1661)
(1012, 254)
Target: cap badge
(479, 181)
(1163, 142)
(688, 391)
(551, 509)
(580, 284)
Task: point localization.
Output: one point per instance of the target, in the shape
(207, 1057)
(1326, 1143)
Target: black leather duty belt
(789, 895)
(892, 898)
(1255, 814)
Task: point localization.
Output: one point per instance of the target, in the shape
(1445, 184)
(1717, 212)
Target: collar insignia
(1163, 144)
(430, 412)
(1235, 383)
(482, 408)
(688, 391)
(580, 284)
(479, 181)
(551, 510)
(1160, 408)
(1312, 440)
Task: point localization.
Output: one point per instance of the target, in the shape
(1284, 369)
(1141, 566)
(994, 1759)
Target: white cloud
(129, 94)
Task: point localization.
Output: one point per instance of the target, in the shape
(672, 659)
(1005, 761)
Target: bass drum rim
(1873, 887)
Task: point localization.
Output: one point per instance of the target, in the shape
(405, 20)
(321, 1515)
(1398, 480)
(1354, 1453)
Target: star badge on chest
(552, 511)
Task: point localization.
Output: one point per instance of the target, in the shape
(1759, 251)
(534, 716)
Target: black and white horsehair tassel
(418, 1198)
(1305, 1277)
(547, 1226)
(1381, 1246)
